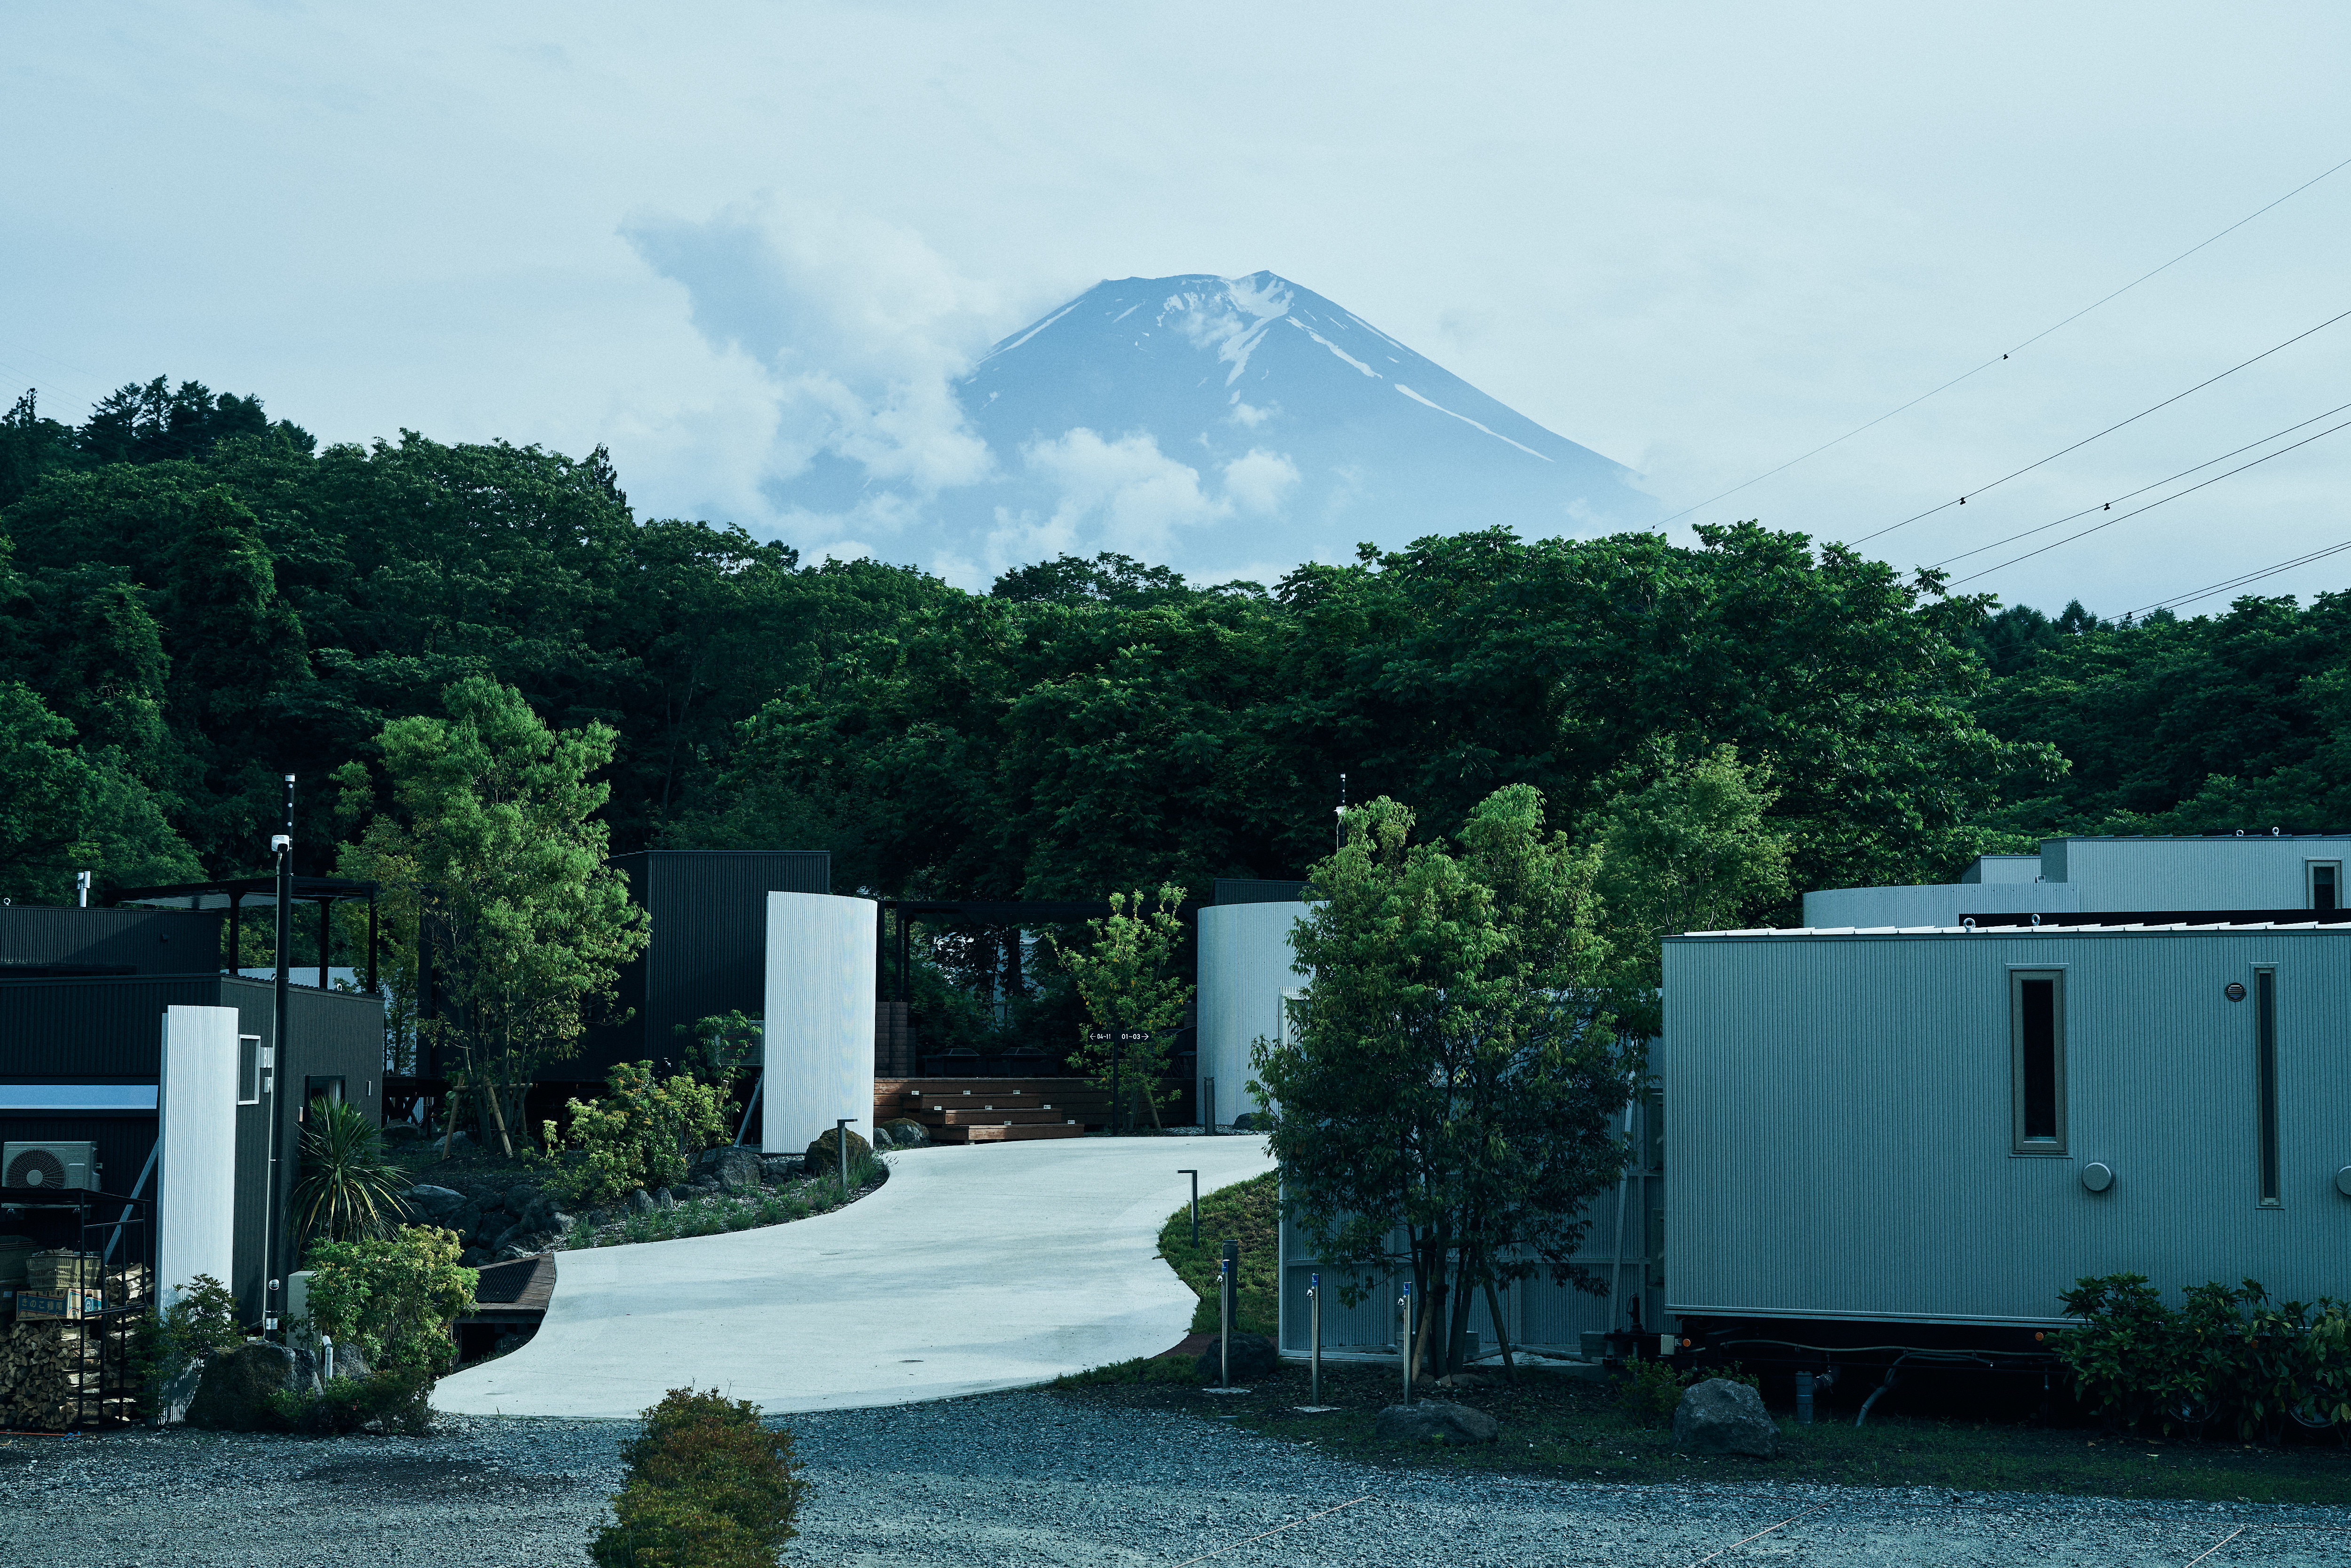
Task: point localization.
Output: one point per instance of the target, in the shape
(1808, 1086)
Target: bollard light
(840, 1150)
(1196, 1204)
(1405, 1302)
(1314, 1337)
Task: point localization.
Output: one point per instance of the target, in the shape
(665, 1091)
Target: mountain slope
(1241, 426)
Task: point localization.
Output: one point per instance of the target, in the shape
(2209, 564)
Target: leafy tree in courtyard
(1693, 850)
(494, 866)
(1453, 1066)
(1123, 975)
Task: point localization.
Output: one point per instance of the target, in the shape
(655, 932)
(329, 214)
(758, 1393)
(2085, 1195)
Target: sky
(1698, 239)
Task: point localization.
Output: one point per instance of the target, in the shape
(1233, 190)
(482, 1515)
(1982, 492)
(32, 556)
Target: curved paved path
(976, 1267)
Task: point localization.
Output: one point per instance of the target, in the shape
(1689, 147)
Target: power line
(2028, 343)
(2143, 490)
(2109, 430)
(2179, 600)
(2151, 506)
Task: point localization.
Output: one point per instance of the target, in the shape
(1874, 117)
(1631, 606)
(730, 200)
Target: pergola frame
(232, 896)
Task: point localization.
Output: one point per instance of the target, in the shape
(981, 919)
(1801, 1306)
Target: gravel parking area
(1028, 1477)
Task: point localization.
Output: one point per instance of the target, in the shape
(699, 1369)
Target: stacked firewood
(58, 1373)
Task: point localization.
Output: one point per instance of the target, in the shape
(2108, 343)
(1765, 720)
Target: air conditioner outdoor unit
(60, 1165)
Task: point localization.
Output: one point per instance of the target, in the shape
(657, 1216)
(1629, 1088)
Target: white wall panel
(1245, 966)
(197, 1191)
(819, 1017)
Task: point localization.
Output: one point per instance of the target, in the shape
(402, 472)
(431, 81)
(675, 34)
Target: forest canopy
(199, 598)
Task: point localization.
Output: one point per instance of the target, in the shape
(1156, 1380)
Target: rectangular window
(2266, 1080)
(248, 1069)
(2037, 1047)
(2326, 884)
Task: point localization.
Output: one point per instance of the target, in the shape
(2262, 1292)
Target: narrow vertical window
(248, 1069)
(2265, 1083)
(2326, 884)
(2037, 1037)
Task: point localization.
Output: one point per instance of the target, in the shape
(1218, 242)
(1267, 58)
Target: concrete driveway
(975, 1268)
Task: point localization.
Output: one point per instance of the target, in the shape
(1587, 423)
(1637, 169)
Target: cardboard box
(34, 1306)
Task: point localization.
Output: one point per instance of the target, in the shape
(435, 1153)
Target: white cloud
(1125, 494)
(859, 326)
(1257, 482)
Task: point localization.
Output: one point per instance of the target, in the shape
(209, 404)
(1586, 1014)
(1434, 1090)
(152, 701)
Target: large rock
(233, 1394)
(520, 1196)
(641, 1201)
(1434, 1421)
(1719, 1417)
(734, 1167)
(824, 1154)
(433, 1205)
(1254, 1356)
(781, 1168)
(905, 1133)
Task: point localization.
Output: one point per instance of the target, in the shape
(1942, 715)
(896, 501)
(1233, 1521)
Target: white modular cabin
(2204, 872)
(1951, 1125)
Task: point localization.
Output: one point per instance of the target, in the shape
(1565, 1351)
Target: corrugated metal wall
(708, 952)
(144, 941)
(1841, 1138)
(109, 1029)
(2156, 874)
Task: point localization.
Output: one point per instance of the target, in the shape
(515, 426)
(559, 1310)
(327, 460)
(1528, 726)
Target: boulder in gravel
(1719, 1417)
(734, 1167)
(1254, 1356)
(905, 1133)
(431, 1202)
(473, 1257)
(641, 1202)
(350, 1362)
(664, 1199)
(781, 1168)
(518, 1198)
(1434, 1421)
(233, 1394)
(824, 1154)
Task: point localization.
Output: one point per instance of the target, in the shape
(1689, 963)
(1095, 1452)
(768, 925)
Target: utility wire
(2109, 430)
(2179, 600)
(2151, 506)
(2020, 348)
(2143, 490)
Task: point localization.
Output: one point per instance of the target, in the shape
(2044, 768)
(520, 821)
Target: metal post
(1314, 1335)
(1405, 1302)
(282, 845)
(1208, 1105)
(1114, 1081)
(744, 1124)
(1227, 1268)
(1196, 1204)
(841, 1148)
(326, 936)
(1804, 1398)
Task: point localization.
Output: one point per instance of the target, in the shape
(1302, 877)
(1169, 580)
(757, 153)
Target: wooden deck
(993, 1110)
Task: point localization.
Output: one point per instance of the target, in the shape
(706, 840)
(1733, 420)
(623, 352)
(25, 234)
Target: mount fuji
(1225, 427)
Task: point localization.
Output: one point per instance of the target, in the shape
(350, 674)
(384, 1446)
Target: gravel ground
(1026, 1477)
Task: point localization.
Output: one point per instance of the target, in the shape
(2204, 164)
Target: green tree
(1691, 850)
(1123, 975)
(1445, 1096)
(494, 867)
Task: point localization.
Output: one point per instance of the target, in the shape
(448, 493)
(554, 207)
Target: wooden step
(997, 1117)
(1012, 1134)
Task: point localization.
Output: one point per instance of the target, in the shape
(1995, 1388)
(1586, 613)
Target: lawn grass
(1250, 1213)
(1569, 1430)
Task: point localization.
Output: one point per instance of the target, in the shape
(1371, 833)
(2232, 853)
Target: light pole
(1196, 1204)
(275, 1061)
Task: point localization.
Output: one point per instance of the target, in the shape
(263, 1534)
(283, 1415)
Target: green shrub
(202, 1322)
(2227, 1355)
(348, 1188)
(708, 1487)
(394, 1296)
(643, 1133)
(396, 1401)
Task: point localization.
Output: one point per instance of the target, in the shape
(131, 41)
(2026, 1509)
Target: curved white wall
(1245, 965)
(819, 1017)
(196, 1183)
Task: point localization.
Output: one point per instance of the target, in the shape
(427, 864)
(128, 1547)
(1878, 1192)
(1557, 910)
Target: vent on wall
(55, 1167)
